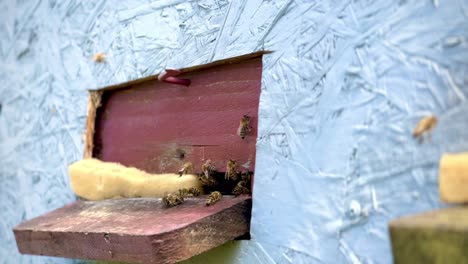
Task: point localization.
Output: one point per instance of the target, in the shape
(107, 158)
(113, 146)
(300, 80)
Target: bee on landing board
(424, 126)
(172, 199)
(194, 191)
(186, 169)
(231, 170)
(184, 192)
(244, 127)
(213, 198)
(241, 188)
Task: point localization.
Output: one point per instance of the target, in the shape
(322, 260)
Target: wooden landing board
(137, 230)
(439, 236)
(157, 127)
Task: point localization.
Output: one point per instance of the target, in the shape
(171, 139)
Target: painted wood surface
(157, 127)
(135, 230)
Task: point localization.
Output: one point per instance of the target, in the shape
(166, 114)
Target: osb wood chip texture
(135, 230)
(345, 86)
(157, 127)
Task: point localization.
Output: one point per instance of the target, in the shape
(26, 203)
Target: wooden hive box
(157, 127)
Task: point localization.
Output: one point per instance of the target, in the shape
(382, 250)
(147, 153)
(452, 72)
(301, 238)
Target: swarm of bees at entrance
(424, 126)
(209, 178)
(234, 182)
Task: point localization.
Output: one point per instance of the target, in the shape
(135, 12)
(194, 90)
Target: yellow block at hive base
(93, 179)
(453, 178)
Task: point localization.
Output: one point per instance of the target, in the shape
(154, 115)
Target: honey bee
(245, 176)
(194, 191)
(209, 180)
(424, 126)
(213, 198)
(184, 192)
(244, 126)
(231, 170)
(186, 169)
(208, 168)
(241, 188)
(99, 57)
(172, 199)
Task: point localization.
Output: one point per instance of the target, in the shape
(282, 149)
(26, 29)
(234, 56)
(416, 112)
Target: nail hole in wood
(180, 153)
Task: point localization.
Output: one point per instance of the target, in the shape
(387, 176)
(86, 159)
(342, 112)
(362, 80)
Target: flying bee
(99, 57)
(241, 188)
(186, 169)
(424, 126)
(213, 198)
(172, 199)
(231, 170)
(244, 126)
(208, 168)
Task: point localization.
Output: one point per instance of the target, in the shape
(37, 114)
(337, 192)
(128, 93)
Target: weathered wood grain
(135, 230)
(216, 63)
(439, 236)
(157, 127)
(94, 102)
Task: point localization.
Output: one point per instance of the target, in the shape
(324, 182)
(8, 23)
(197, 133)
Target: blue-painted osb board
(340, 95)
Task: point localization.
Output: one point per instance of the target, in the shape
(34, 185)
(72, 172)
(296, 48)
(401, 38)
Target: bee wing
(181, 171)
(239, 130)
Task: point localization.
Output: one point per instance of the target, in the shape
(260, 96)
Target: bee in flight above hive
(213, 198)
(244, 126)
(231, 170)
(186, 169)
(424, 126)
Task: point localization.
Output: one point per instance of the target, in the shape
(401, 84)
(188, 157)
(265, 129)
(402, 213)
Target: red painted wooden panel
(137, 230)
(149, 124)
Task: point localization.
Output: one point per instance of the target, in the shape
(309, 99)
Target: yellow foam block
(453, 178)
(93, 179)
